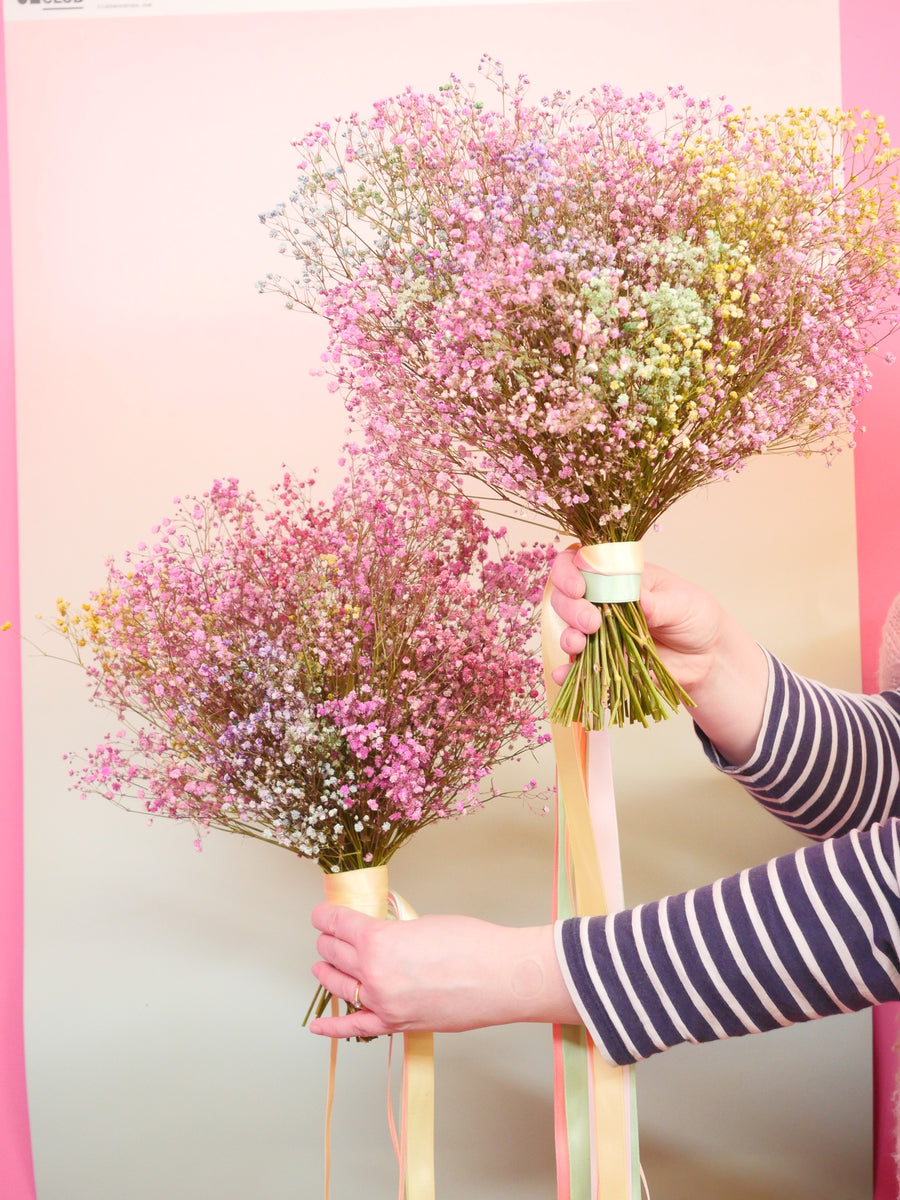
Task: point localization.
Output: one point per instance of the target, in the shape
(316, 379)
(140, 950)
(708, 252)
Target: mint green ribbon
(611, 589)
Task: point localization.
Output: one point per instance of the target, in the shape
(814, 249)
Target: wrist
(538, 990)
(730, 697)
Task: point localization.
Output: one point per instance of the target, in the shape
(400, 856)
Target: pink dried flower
(294, 671)
(594, 305)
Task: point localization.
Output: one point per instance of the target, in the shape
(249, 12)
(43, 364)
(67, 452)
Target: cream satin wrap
(366, 891)
(613, 571)
(614, 1167)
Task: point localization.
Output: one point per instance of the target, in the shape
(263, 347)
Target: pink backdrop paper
(16, 1180)
(870, 34)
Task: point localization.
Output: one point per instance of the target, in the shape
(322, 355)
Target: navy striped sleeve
(827, 761)
(807, 935)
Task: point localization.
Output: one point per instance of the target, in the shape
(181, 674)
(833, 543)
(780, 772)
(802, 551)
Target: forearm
(826, 761)
(536, 988)
(807, 935)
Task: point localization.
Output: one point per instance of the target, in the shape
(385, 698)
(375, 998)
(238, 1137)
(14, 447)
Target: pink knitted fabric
(889, 654)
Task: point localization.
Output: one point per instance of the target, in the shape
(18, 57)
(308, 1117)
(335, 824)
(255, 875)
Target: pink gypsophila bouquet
(328, 677)
(594, 305)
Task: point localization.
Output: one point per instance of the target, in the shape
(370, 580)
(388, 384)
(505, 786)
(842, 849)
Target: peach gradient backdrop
(163, 987)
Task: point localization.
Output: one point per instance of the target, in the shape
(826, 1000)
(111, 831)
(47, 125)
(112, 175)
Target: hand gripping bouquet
(593, 306)
(328, 677)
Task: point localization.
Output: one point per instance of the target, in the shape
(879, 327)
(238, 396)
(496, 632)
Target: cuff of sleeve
(583, 1012)
(567, 929)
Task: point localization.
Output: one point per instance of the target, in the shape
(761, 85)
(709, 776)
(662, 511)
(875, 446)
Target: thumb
(341, 922)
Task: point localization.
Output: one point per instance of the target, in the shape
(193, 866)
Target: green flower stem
(621, 656)
(320, 1002)
(618, 678)
(601, 680)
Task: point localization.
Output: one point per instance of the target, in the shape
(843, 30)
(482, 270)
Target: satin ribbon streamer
(366, 890)
(596, 1134)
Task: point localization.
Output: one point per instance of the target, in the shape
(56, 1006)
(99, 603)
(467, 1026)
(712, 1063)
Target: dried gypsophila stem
(618, 678)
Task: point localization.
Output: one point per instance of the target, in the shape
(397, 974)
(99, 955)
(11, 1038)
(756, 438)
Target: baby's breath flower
(594, 305)
(466, 272)
(289, 670)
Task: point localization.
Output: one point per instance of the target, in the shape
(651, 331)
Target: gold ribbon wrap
(613, 1164)
(366, 890)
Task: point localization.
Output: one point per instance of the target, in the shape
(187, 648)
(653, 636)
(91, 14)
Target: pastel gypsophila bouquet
(327, 677)
(593, 306)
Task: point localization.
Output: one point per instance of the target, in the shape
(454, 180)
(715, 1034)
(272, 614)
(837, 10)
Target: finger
(565, 575)
(339, 954)
(579, 614)
(559, 673)
(663, 597)
(341, 922)
(357, 1024)
(572, 641)
(339, 983)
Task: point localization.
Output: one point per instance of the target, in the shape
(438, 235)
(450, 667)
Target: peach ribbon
(601, 1162)
(366, 890)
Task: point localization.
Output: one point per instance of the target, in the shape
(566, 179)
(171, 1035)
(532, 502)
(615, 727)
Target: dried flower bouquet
(327, 677)
(593, 306)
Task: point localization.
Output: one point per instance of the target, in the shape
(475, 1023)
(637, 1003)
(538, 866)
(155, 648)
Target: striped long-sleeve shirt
(807, 935)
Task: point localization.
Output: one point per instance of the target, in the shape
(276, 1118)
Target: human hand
(684, 620)
(711, 656)
(436, 973)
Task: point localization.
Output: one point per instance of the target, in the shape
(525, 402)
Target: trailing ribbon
(596, 1128)
(366, 890)
(415, 1152)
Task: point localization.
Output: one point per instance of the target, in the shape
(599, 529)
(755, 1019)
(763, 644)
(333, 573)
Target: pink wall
(871, 78)
(870, 33)
(16, 1179)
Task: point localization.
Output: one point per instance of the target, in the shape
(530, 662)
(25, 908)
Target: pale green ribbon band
(611, 589)
(612, 571)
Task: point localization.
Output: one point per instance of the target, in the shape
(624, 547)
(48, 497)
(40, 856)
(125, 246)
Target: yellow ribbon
(366, 890)
(417, 1123)
(610, 1086)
